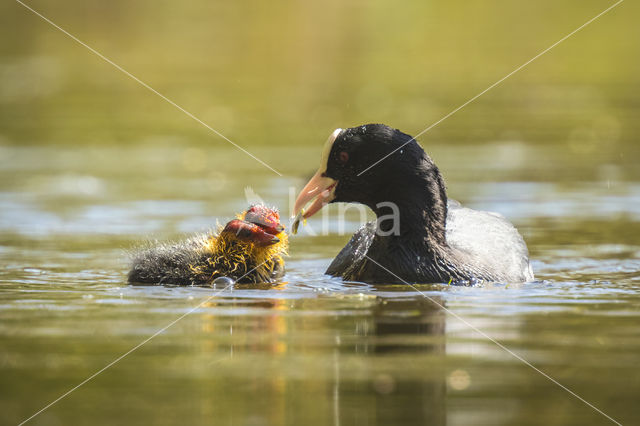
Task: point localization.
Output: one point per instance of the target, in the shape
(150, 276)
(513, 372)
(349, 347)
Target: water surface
(312, 349)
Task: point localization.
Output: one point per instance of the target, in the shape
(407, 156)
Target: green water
(92, 164)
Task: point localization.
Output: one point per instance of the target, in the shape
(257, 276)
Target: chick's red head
(265, 217)
(259, 225)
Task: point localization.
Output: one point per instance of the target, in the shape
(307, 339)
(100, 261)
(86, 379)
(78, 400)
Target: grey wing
(489, 236)
(353, 253)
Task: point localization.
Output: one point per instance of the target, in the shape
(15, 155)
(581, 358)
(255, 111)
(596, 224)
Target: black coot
(433, 240)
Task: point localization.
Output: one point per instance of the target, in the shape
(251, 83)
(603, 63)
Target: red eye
(343, 157)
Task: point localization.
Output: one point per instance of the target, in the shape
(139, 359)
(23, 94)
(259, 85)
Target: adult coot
(419, 236)
(248, 249)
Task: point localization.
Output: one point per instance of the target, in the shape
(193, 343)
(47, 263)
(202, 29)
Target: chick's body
(249, 249)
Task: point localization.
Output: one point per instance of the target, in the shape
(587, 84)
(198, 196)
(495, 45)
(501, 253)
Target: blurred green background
(281, 73)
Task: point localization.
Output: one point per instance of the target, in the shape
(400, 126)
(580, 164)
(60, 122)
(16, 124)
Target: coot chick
(248, 249)
(419, 236)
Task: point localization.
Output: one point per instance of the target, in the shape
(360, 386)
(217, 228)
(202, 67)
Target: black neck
(420, 204)
(419, 250)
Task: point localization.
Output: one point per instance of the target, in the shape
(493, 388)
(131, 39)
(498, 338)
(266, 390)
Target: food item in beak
(296, 221)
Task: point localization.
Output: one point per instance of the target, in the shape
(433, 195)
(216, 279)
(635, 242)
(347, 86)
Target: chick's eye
(343, 157)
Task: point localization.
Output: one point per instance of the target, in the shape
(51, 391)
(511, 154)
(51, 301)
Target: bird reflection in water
(403, 380)
(374, 360)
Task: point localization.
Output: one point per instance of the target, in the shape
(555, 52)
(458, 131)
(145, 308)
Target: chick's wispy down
(248, 249)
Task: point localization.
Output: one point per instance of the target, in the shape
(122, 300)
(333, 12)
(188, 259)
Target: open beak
(250, 232)
(321, 190)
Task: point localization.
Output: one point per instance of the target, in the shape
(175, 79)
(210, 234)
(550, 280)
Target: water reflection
(404, 336)
(352, 355)
(398, 319)
(332, 360)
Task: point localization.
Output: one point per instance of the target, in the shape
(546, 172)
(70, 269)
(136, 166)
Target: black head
(375, 163)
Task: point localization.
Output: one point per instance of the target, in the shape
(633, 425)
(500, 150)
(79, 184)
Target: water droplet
(223, 282)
